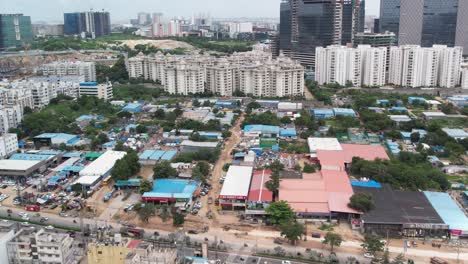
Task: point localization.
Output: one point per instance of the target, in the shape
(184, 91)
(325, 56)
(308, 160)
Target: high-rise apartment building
(250, 72)
(87, 24)
(450, 60)
(426, 22)
(338, 64)
(307, 24)
(184, 79)
(415, 66)
(364, 65)
(15, 31)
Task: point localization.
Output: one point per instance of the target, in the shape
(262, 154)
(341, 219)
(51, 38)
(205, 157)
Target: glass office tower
(15, 31)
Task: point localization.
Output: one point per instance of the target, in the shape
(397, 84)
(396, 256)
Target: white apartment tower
(338, 64)
(219, 78)
(184, 79)
(251, 72)
(414, 66)
(374, 63)
(450, 60)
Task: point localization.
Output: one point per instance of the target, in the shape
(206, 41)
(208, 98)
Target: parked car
(316, 235)
(192, 232)
(368, 255)
(49, 227)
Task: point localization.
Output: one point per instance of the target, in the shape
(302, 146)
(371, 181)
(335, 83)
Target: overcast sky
(52, 10)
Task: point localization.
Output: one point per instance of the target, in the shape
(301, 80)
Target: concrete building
(10, 117)
(220, 78)
(106, 254)
(8, 144)
(101, 91)
(45, 30)
(464, 81)
(86, 69)
(30, 247)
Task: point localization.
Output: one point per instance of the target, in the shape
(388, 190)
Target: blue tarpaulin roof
(264, 129)
(157, 154)
(288, 132)
(367, 184)
(172, 188)
(448, 210)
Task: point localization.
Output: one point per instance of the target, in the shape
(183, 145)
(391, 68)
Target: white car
(368, 255)
(49, 227)
(285, 262)
(25, 224)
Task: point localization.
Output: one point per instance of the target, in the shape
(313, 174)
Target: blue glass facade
(437, 17)
(439, 22)
(390, 16)
(72, 23)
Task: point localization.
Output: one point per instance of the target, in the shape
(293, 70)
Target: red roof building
(258, 191)
(337, 159)
(321, 194)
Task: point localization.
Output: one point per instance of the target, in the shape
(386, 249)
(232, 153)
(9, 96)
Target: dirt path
(308, 94)
(225, 157)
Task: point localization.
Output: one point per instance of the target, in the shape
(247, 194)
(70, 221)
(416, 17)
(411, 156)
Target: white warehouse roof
(103, 164)
(237, 182)
(17, 165)
(323, 144)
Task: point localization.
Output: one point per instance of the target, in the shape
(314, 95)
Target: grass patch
(326, 227)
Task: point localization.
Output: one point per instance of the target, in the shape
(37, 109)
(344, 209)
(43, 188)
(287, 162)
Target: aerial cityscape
(225, 132)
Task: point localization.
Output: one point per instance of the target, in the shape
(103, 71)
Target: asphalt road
(239, 252)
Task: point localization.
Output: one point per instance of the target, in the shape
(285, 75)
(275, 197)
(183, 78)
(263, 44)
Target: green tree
(164, 212)
(362, 202)
(372, 244)
(145, 186)
(121, 170)
(146, 211)
(308, 168)
(279, 213)
(293, 231)
(141, 129)
(226, 134)
(178, 219)
(415, 137)
(274, 183)
(285, 120)
(333, 240)
(164, 170)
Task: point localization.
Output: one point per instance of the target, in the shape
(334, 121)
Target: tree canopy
(362, 202)
(333, 240)
(279, 213)
(163, 170)
(372, 244)
(409, 171)
(293, 231)
(126, 167)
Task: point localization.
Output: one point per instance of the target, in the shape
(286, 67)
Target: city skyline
(186, 8)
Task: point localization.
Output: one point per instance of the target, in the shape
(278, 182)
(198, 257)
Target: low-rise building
(99, 169)
(101, 91)
(8, 144)
(456, 133)
(235, 190)
(29, 247)
(79, 68)
(189, 146)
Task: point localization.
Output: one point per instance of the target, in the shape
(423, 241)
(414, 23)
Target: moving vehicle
(436, 260)
(49, 227)
(32, 208)
(136, 232)
(369, 255)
